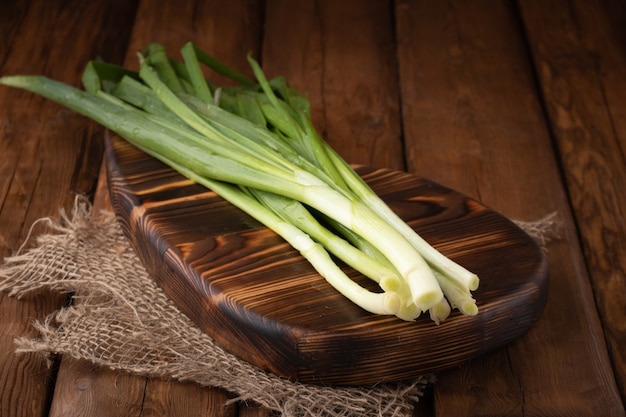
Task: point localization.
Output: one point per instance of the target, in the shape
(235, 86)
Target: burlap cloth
(120, 318)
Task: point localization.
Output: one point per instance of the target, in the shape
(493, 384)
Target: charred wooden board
(260, 300)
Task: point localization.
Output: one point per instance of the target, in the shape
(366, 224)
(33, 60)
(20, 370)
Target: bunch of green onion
(254, 144)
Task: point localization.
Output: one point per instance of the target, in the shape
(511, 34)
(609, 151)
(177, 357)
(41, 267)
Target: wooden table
(521, 105)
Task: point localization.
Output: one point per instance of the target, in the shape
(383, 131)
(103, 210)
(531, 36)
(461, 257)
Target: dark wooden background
(521, 105)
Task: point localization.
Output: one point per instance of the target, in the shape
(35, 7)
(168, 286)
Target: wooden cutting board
(260, 300)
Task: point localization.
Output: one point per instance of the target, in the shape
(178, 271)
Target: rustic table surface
(521, 105)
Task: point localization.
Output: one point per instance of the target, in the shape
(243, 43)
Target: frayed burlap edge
(543, 230)
(122, 320)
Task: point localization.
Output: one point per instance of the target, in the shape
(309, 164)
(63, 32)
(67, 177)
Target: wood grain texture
(227, 30)
(473, 121)
(174, 398)
(484, 90)
(47, 155)
(346, 69)
(86, 389)
(209, 24)
(256, 297)
(580, 64)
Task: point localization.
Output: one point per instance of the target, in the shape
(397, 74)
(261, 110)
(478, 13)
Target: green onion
(255, 145)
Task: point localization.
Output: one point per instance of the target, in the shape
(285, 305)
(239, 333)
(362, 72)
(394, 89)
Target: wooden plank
(48, 155)
(88, 389)
(85, 389)
(473, 121)
(228, 30)
(342, 54)
(578, 48)
(185, 399)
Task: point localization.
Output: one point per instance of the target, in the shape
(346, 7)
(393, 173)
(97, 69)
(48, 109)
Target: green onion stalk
(254, 144)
